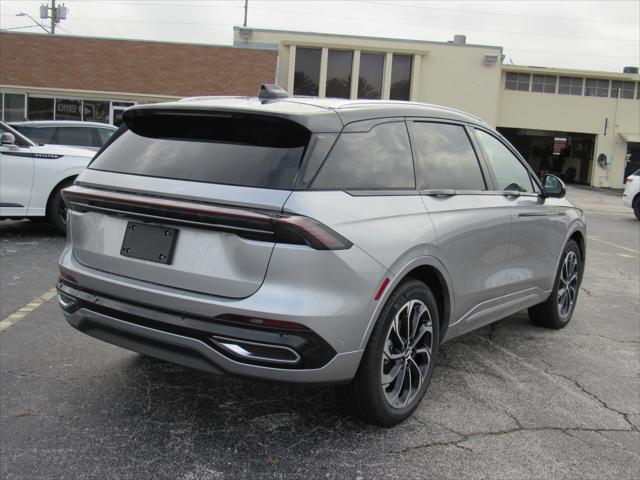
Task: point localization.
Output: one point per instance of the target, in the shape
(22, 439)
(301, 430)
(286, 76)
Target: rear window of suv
(250, 151)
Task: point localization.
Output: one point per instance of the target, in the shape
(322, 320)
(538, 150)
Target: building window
(68, 109)
(596, 88)
(370, 77)
(570, 86)
(339, 64)
(518, 81)
(95, 111)
(624, 89)
(39, 108)
(401, 77)
(307, 71)
(13, 107)
(543, 83)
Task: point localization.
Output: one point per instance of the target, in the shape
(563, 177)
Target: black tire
(366, 397)
(636, 208)
(552, 313)
(57, 210)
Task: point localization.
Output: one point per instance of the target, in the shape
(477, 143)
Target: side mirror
(553, 187)
(8, 139)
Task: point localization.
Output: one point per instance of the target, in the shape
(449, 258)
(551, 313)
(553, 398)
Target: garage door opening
(567, 155)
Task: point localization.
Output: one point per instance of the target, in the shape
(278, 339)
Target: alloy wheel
(407, 353)
(568, 284)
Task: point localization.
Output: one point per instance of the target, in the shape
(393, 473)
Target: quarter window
(624, 89)
(307, 71)
(518, 81)
(445, 158)
(570, 86)
(401, 77)
(596, 88)
(377, 159)
(510, 173)
(544, 84)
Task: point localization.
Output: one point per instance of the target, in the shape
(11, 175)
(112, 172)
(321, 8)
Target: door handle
(439, 193)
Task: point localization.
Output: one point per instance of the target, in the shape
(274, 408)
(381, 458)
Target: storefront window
(307, 71)
(370, 77)
(13, 107)
(339, 73)
(95, 111)
(68, 109)
(39, 108)
(401, 77)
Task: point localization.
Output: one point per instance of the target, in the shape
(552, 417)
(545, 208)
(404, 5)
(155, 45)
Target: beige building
(583, 125)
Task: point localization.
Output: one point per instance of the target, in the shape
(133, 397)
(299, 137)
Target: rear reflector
(385, 282)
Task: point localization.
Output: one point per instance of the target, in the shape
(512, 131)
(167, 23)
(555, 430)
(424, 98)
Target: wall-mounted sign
(68, 109)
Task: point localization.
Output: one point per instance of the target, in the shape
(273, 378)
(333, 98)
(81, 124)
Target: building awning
(631, 137)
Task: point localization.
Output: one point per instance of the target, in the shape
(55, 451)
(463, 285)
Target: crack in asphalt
(518, 429)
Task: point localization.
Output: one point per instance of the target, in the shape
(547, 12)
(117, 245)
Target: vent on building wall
(633, 70)
(459, 39)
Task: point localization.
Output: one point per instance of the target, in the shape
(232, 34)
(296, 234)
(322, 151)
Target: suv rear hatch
(191, 199)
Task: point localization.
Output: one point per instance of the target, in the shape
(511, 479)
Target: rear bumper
(192, 342)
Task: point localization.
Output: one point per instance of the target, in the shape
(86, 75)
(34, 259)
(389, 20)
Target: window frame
(570, 85)
(535, 182)
(519, 80)
(488, 183)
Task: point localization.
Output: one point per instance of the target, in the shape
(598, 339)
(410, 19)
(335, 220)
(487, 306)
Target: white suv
(31, 177)
(631, 195)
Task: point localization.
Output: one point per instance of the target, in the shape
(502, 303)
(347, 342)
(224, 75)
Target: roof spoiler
(270, 91)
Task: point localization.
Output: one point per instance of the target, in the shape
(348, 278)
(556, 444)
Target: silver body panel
(496, 254)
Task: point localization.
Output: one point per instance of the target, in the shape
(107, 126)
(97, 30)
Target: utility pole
(57, 14)
(246, 7)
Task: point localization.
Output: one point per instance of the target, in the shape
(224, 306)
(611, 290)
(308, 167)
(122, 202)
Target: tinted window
(95, 111)
(445, 158)
(518, 81)
(370, 77)
(510, 173)
(401, 77)
(68, 109)
(13, 107)
(570, 86)
(543, 83)
(104, 134)
(40, 108)
(41, 134)
(245, 151)
(596, 88)
(379, 158)
(339, 74)
(307, 72)
(79, 136)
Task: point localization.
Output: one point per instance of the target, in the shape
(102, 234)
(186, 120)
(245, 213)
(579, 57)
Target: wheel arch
(433, 273)
(68, 179)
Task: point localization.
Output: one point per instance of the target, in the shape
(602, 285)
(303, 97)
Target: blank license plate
(149, 242)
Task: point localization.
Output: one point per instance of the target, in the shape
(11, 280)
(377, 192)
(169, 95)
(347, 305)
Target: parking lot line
(22, 312)
(596, 239)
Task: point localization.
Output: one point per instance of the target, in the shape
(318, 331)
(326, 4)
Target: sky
(591, 35)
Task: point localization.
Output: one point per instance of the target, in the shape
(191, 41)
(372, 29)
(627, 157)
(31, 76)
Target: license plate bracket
(149, 242)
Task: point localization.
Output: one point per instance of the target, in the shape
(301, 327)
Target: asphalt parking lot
(508, 401)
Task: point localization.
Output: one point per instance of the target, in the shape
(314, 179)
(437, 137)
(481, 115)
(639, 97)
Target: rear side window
(445, 158)
(79, 136)
(250, 151)
(104, 134)
(377, 159)
(41, 134)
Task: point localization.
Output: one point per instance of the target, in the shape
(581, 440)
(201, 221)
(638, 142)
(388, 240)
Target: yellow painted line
(596, 239)
(22, 312)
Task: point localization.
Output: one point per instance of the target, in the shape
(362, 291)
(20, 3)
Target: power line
(510, 32)
(481, 12)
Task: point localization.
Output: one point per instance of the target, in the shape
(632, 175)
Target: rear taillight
(254, 224)
(313, 233)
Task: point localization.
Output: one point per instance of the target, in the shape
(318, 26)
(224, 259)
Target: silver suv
(314, 241)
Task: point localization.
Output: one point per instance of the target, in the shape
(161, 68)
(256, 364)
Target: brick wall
(79, 63)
